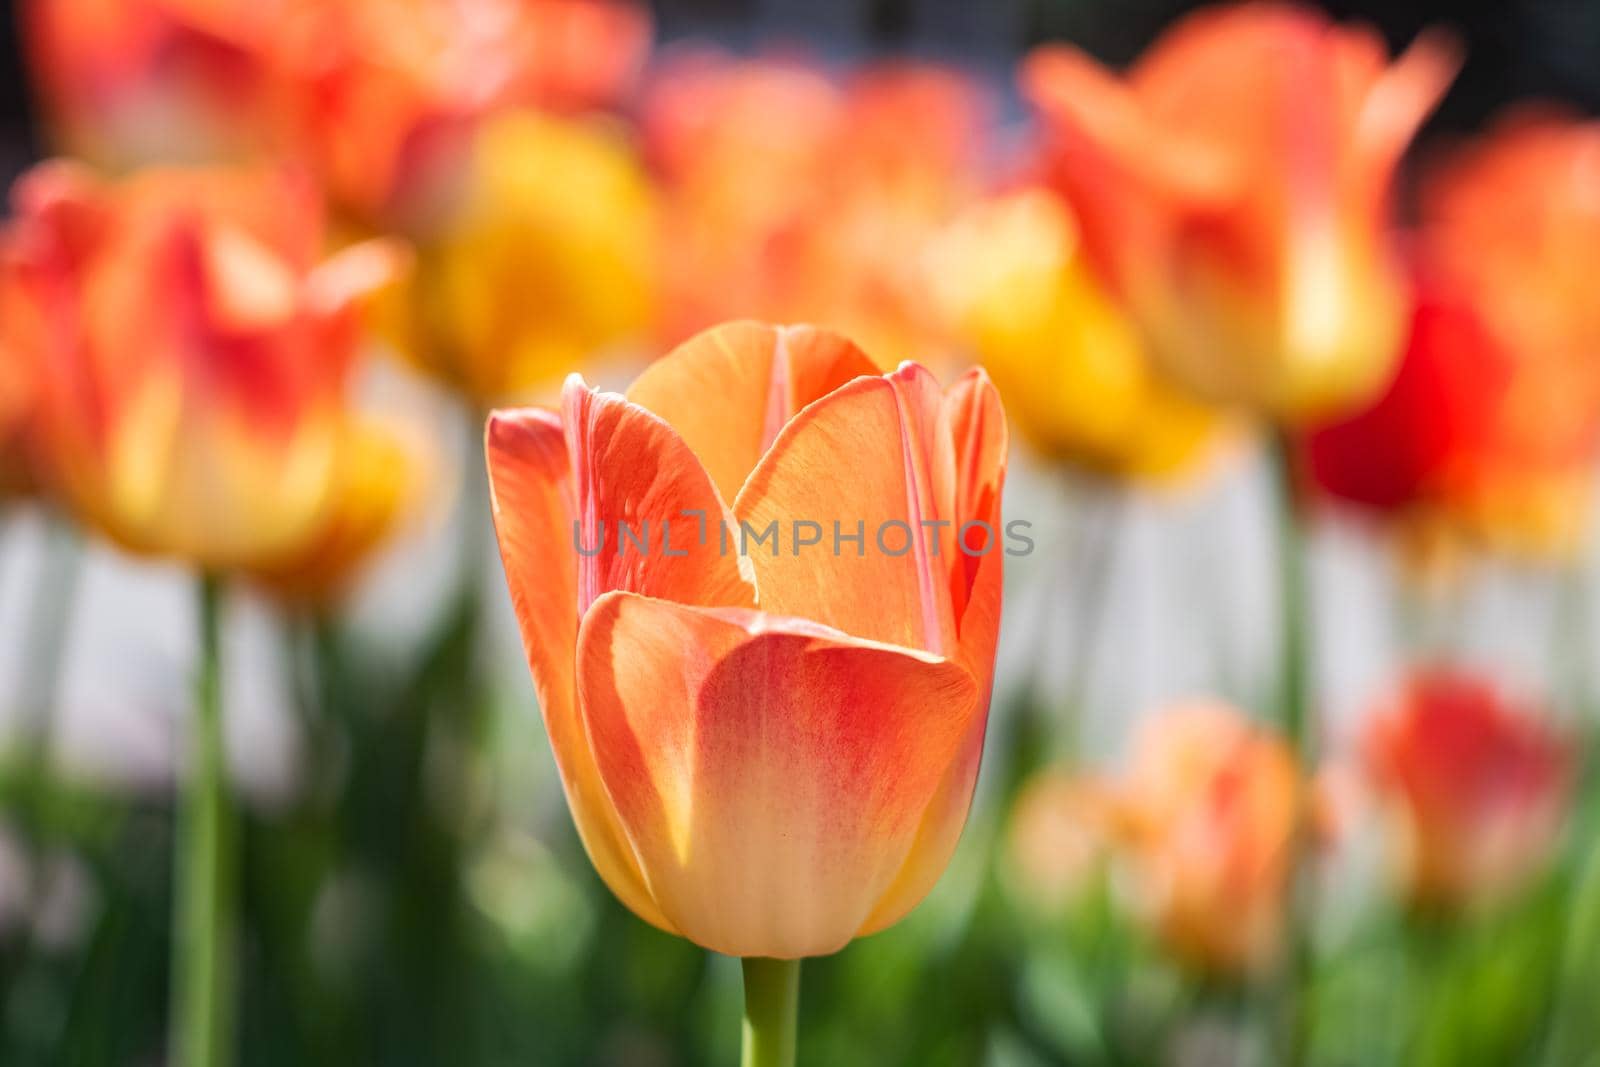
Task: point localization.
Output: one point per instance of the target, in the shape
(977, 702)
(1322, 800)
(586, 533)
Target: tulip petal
(530, 481)
(770, 773)
(760, 377)
(1403, 96)
(644, 508)
(1110, 127)
(872, 462)
(979, 429)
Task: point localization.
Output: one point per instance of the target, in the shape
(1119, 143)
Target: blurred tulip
(1074, 375)
(1234, 190)
(795, 197)
(548, 261)
(192, 350)
(389, 93)
(1492, 427)
(128, 82)
(1063, 831)
(769, 753)
(379, 478)
(1211, 810)
(1477, 787)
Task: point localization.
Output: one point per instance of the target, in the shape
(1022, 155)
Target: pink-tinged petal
(874, 457)
(1402, 97)
(977, 423)
(771, 774)
(730, 390)
(356, 273)
(647, 518)
(530, 476)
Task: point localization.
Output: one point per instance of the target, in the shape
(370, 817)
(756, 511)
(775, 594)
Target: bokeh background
(412, 892)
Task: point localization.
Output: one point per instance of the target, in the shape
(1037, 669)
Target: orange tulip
(193, 353)
(126, 82)
(768, 747)
(1235, 191)
(1512, 226)
(1211, 809)
(389, 92)
(795, 196)
(1490, 430)
(1477, 787)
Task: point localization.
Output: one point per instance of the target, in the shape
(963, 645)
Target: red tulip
(1476, 786)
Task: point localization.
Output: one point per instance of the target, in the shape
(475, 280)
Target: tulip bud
(768, 750)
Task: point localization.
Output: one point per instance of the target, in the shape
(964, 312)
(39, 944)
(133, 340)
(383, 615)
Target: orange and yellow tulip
(548, 261)
(1211, 807)
(792, 195)
(769, 752)
(1234, 190)
(1476, 787)
(193, 349)
(1073, 371)
(388, 94)
(130, 82)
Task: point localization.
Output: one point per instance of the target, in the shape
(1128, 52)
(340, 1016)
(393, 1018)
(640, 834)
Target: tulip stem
(203, 957)
(771, 1008)
(1295, 705)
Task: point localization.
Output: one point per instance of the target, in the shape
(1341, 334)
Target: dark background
(1516, 48)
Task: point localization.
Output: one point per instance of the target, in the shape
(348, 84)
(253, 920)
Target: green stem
(1295, 705)
(771, 1008)
(203, 926)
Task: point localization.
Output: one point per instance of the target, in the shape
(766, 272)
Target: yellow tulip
(1072, 369)
(549, 260)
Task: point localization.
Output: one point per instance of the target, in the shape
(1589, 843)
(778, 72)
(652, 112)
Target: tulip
(1071, 367)
(1489, 433)
(1211, 807)
(192, 352)
(1234, 190)
(389, 94)
(791, 194)
(769, 751)
(548, 261)
(1476, 787)
(193, 348)
(128, 82)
